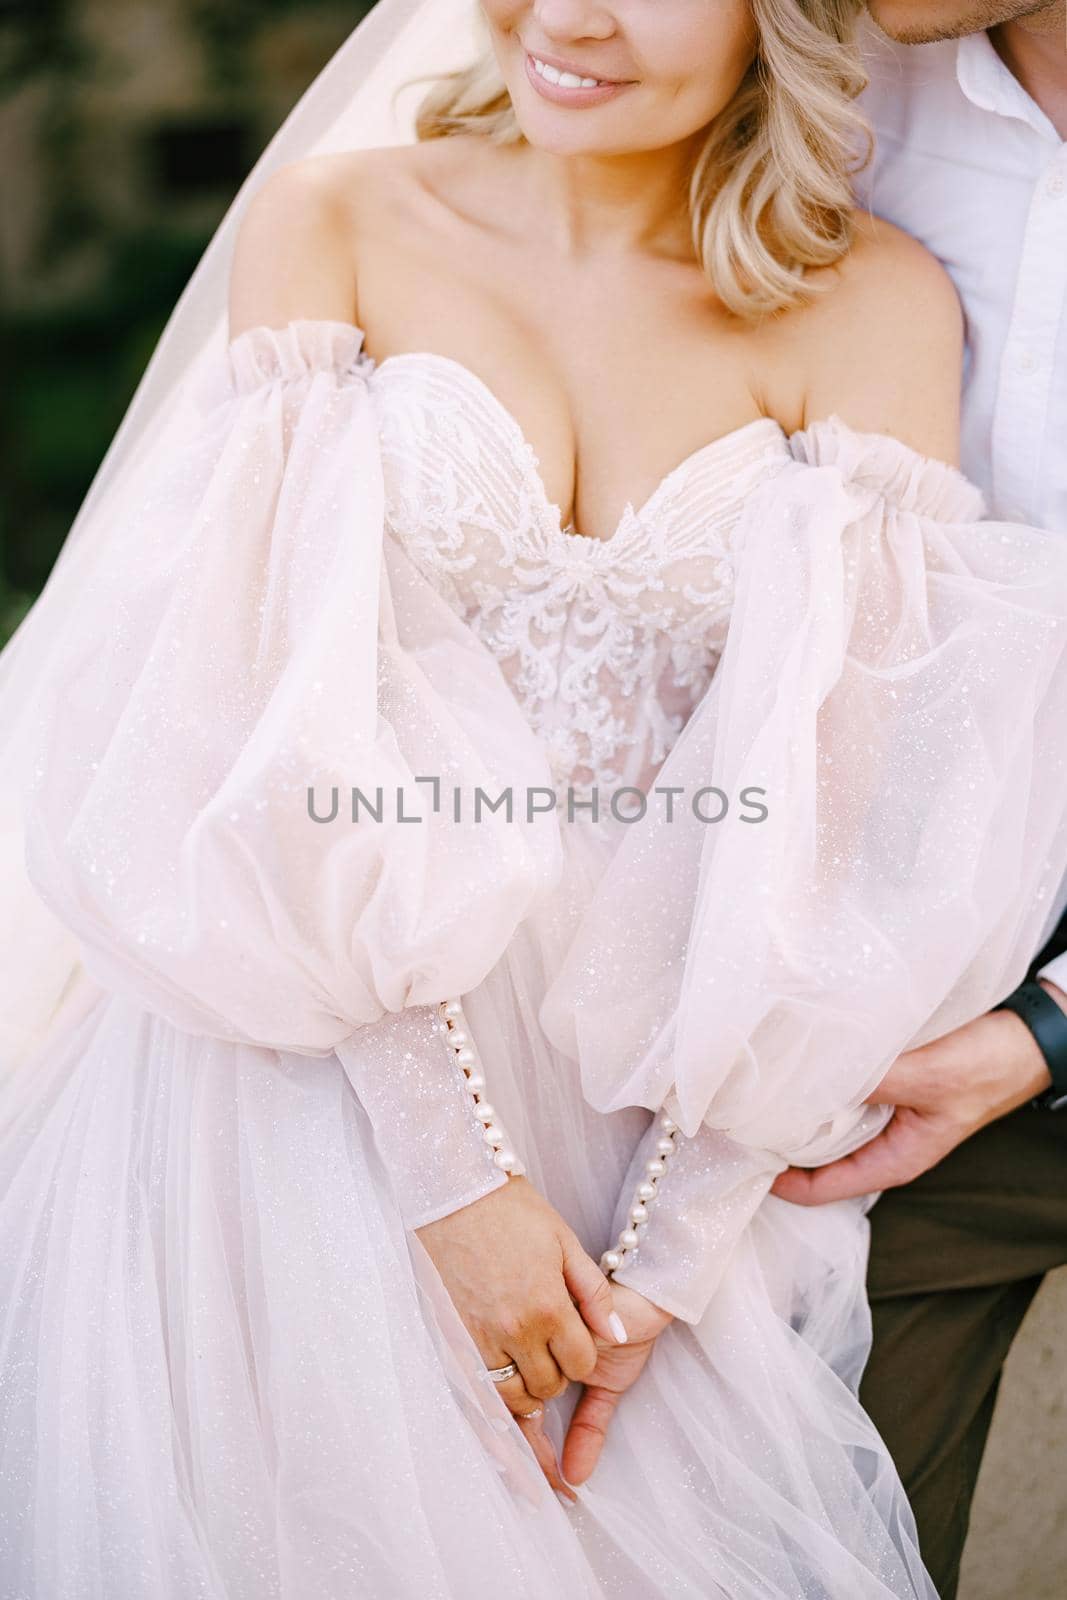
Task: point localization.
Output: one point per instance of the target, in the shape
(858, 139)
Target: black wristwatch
(1048, 1024)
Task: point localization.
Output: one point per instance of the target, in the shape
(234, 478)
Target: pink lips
(576, 98)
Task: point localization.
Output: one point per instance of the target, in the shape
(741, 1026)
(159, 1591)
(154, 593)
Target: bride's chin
(545, 133)
(565, 148)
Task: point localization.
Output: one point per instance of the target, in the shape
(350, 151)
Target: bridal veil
(364, 98)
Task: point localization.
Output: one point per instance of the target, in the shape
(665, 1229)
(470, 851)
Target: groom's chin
(926, 21)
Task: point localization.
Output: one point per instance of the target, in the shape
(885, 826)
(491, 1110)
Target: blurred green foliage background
(126, 128)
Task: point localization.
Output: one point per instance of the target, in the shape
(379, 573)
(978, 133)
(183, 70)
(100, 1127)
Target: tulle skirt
(228, 1371)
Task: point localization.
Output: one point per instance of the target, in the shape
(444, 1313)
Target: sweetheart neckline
(551, 513)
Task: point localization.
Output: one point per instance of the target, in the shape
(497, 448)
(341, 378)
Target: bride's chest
(465, 496)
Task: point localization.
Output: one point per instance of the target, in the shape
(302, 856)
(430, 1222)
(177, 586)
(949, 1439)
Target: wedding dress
(228, 1368)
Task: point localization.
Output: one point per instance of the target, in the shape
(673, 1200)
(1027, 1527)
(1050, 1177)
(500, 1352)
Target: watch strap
(1048, 1024)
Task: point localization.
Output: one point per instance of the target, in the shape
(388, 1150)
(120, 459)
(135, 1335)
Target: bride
(376, 1158)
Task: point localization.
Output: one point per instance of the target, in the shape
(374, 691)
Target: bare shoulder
(889, 277)
(883, 347)
(295, 252)
(298, 245)
(292, 257)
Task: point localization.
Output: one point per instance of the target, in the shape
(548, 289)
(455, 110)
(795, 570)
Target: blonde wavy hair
(770, 195)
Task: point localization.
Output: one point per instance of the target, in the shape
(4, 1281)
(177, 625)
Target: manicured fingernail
(563, 1500)
(615, 1323)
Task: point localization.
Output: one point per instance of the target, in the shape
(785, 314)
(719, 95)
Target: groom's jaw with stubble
(925, 21)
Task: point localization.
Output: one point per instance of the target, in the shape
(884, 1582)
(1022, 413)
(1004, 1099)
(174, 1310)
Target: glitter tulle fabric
(227, 1367)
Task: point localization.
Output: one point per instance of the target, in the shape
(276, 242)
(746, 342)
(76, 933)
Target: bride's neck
(612, 205)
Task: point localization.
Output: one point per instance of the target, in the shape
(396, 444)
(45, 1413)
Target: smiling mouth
(569, 80)
(562, 83)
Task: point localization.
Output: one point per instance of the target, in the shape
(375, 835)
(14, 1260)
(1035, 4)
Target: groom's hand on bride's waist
(941, 1094)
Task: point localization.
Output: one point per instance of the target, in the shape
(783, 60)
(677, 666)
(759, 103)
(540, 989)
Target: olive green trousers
(956, 1258)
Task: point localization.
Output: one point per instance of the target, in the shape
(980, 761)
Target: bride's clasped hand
(529, 1295)
(617, 1369)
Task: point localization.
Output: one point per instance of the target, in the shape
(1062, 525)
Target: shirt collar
(989, 84)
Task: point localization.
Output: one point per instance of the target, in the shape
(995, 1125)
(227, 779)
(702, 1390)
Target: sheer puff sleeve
(894, 690)
(251, 651)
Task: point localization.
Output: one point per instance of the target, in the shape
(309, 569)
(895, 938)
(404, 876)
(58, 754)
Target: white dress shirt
(969, 164)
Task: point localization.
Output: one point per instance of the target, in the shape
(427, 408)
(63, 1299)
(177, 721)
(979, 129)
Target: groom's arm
(942, 1093)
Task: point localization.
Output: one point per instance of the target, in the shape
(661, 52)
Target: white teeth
(566, 80)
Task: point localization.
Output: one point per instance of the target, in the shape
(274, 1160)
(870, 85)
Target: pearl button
(1055, 185)
(1026, 361)
(466, 1057)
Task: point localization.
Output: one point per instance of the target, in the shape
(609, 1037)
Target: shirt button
(1026, 361)
(1056, 184)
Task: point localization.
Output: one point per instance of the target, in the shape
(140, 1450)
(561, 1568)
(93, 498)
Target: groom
(970, 110)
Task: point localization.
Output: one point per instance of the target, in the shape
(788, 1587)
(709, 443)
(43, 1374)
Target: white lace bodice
(607, 643)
